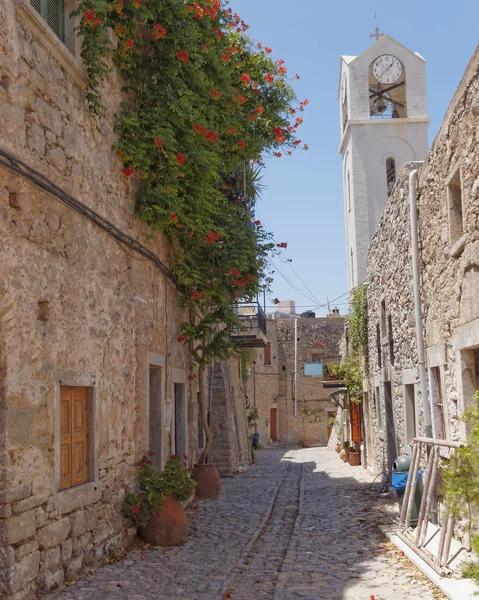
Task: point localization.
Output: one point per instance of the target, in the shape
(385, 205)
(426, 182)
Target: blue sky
(303, 203)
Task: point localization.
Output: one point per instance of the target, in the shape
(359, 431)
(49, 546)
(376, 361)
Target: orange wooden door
(331, 414)
(73, 436)
(272, 425)
(356, 422)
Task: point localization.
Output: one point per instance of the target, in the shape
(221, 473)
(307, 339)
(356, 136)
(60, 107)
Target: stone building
(448, 242)
(91, 373)
(295, 408)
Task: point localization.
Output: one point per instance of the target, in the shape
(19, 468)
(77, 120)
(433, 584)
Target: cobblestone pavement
(299, 525)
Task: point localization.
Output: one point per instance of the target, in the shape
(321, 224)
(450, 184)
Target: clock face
(387, 68)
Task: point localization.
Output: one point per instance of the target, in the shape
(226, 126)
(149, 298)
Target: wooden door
(73, 436)
(331, 414)
(272, 425)
(356, 422)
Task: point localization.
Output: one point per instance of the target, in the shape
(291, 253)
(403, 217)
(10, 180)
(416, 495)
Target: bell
(381, 105)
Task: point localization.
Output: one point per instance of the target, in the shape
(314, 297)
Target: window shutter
(267, 354)
(53, 12)
(65, 439)
(73, 437)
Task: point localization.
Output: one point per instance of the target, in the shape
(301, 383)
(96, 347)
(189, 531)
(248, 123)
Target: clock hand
(392, 87)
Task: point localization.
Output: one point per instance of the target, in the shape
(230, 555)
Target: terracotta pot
(354, 459)
(306, 444)
(208, 481)
(167, 527)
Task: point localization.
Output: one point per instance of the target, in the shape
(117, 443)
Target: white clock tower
(383, 113)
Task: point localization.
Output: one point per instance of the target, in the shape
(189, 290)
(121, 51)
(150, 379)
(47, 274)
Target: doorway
(155, 424)
(181, 424)
(331, 415)
(392, 450)
(356, 422)
(273, 435)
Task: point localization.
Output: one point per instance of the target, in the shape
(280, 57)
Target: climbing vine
(201, 107)
(358, 322)
(350, 373)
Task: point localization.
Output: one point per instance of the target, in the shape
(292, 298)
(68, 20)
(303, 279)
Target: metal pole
(405, 502)
(412, 492)
(254, 396)
(295, 362)
(427, 481)
(442, 571)
(421, 356)
(430, 494)
(447, 545)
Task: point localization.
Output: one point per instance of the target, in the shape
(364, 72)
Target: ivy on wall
(358, 322)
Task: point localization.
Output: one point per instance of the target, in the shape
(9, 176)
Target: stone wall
(274, 382)
(449, 264)
(79, 308)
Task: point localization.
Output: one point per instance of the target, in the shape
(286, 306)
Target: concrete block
(24, 571)
(21, 528)
(55, 533)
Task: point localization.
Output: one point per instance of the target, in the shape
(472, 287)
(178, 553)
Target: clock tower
(384, 120)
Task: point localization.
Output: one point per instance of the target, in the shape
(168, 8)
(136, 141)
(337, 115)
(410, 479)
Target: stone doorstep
(454, 589)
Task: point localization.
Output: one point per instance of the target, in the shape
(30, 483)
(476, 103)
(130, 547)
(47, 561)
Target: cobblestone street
(299, 524)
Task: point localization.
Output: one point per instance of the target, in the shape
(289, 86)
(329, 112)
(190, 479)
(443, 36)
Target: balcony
(252, 330)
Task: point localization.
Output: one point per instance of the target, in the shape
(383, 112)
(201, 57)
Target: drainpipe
(295, 361)
(421, 357)
(254, 395)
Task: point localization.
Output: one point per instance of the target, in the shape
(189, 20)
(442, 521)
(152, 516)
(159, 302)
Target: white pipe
(295, 361)
(421, 357)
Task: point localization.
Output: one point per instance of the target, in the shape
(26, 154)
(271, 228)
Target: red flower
(268, 50)
(173, 456)
(185, 457)
(251, 117)
(196, 295)
(211, 136)
(127, 172)
(282, 245)
(190, 234)
(278, 130)
(260, 45)
(204, 48)
(185, 464)
(136, 509)
(276, 301)
(158, 142)
(269, 78)
(191, 469)
(254, 362)
(282, 70)
(227, 595)
(180, 159)
(89, 15)
(299, 120)
(183, 56)
(173, 217)
(212, 237)
(305, 147)
(257, 222)
(119, 30)
(159, 32)
(245, 78)
(297, 76)
(181, 339)
(278, 154)
(260, 109)
(241, 144)
(129, 43)
(232, 130)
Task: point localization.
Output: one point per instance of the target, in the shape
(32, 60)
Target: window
(410, 412)
(155, 383)
(53, 12)
(391, 339)
(315, 358)
(390, 174)
(267, 354)
(181, 419)
(349, 190)
(378, 344)
(73, 436)
(454, 200)
(439, 422)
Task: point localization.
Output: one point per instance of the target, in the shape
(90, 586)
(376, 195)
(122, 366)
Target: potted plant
(156, 507)
(344, 454)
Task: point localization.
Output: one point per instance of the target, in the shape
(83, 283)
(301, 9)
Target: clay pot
(208, 481)
(167, 527)
(306, 444)
(354, 459)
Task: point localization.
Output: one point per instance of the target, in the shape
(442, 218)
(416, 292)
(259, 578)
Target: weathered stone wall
(274, 383)
(449, 263)
(76, 307)
(231, 447)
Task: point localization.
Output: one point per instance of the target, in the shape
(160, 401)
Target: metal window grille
(53, 12)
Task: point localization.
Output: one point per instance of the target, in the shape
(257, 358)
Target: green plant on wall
(460, 474)
(253, 418)
(202, 106)
(350, 373)
(358, 323)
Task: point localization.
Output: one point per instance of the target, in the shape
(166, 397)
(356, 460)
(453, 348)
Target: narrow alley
(299, 524)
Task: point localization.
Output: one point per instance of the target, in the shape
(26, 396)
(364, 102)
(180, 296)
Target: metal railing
(251, 317)
(417, 539)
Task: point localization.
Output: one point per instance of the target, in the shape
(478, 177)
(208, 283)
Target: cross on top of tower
(376, 33)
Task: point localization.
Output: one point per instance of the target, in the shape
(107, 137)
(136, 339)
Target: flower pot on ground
(344, 454)
(306, 443)
(156, 505)
(208, 482)
(354, 458)
(168, 526)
